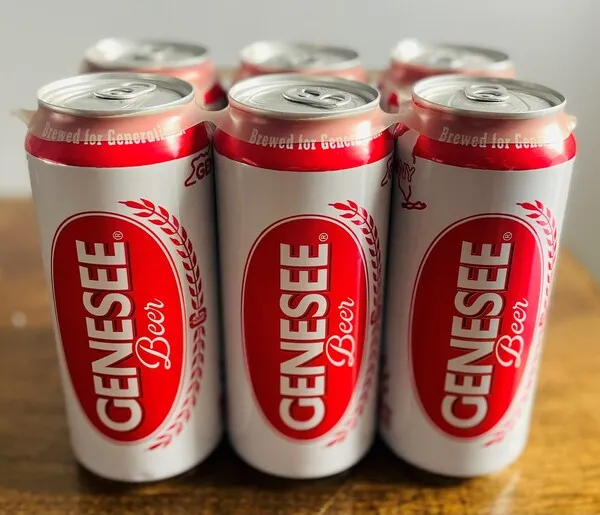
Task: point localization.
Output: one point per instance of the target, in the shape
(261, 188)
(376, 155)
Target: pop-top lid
(115, 94)
(280, 55)
(122, 53)
(449, 57)
(303, 97)
(488, 97)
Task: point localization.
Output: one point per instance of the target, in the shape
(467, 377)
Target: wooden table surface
(559, 472)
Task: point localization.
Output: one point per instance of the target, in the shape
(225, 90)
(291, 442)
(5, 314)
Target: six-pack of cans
(316, 256)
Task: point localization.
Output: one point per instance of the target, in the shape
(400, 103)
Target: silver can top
(115, 94)
(303, 96)
(129, 54)
(488, 97)
(279, 55)
(449, 57)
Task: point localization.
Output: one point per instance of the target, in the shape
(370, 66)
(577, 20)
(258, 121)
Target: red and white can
(185, 61)
(265, 57)
(303, 209)
(413, 60)
(478, 206)
(123, 188)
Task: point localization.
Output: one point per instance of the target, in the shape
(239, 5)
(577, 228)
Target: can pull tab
(487, 93)
(323, 98)
(125, 91)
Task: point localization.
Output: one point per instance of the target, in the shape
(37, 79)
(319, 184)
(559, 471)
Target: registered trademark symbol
(507, 236)
(323, 236)
(118, 235)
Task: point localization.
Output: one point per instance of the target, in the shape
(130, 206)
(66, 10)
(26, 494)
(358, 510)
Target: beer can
(265, 57)
(186, 61)
(124, 199)
(478, 206)
(303, 207)
(413, 60)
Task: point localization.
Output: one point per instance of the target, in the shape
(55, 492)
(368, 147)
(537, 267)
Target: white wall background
(555, 42)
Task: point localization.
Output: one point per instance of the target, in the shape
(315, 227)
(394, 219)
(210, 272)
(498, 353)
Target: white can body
(265, 217)
(154, 412)
(460, 369)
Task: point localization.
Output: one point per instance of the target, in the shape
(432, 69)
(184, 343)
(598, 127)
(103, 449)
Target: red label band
(287, 153)
(496, 155)
(120, 150)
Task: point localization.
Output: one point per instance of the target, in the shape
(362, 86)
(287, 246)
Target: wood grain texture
(558, 474)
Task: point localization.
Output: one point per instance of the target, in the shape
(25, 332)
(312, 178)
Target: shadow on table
(226, 472)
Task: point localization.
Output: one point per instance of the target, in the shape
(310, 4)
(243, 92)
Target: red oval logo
(305, 303)
(475, 309)
(120, 319)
